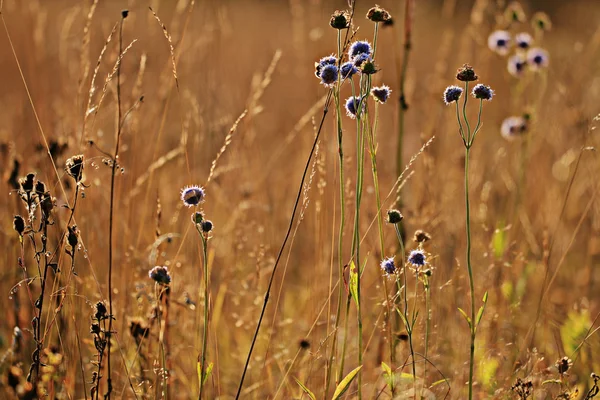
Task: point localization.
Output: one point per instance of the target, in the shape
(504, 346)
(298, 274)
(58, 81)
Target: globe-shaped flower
(388, 266)
(537, 58)
(352, 104)
(381, 93)
(523, 40)
(499, 42)
(329, 75)
(482, 92)
(417, 258)
(192, 196)
(452, 94)
(394, 216)
(360, 59)
(516, 65)
(160, 274)
(327, 60)
(348, 70)
(512, 127)
(359, 47)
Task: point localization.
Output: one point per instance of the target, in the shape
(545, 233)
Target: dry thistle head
(378, 14)
(27, 183)
(160, 275)
(40, 188)
(47, 204)
(19, 224)
(72, 237)
(207, 226)
(74, 167)
(564, 364)
(421, 236)
(340, 20)
(394, 216)
(466, 74)
(100, 311)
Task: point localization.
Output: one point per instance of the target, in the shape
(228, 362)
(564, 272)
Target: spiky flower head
(466, 74)
(516, 65)
(417, 258)
(352, 104)
(499, 42)
(523, 40)
(483, 92)
(394, 216)
(388, 265)
(378, 14)
(359, 47)
(360, 59)
(192, 195)
(327, 60)
(160, 275)
(452, 94)
(513, 126)
(340, 20)
(207, 226)
(368, 68)
(348, 70)
(537, 58)
(329, 75)
(381, 93)
(541, 21)
(74, 167)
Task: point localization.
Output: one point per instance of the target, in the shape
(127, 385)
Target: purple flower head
(360, 59)
(482, 92)
(160, 275)
(359, 47)
(537, 58)
(388, 266)
(348, 70)
(327, 60)
(499, 42)
(417, 258)
(352, 104)
(381, 93)
(192, 195)
(452, 94)
(329, 75)
(516, 65)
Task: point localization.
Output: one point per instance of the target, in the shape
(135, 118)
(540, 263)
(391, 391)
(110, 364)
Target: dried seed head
(19, 224)
(466, 74)
(304, 344)
(564, 364)
(47, 204)
(100, 311)
(340, 19)
(368, 67)
(74, 167)
(378, 14)
(40, 188)
(27, 183)
(95, 328)
(207, 226)
(72, 236)
(160, 275)
(394, 216)
(421, 236)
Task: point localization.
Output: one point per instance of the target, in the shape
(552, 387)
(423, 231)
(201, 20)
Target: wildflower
(192, 195)
(541, 21)
(388, 266)
(19, 224)
(74, 166)
(499, 42)
(421, 236)
(417, 258)
(197, 217)
(523, 40)
(348, 70)
(352, 104)
(514, 12)
(516, 65)
(512, 127)
(452, 94)
(160, 275)
(381, 93)
(359, 47)
(482, 92)
(207, 226)
(328, 60)
(368, 68)
(340, 20)
(537, 58)
(564, 364)
(378, 14)
(466, 74)
(329, 75)
(394, 216)
(360, 59)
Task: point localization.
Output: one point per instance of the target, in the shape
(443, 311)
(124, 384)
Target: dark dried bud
(368, 68)
(100, 311)
(40, 188)
(304, 344)
(564, 364)
(27, 183)
(197, 217)
(340, 20)
(72, 236)
(47, 204)
(394, 216)
(421, 236)
(138, 329)
(378, 14)
(19, 224)
(403, 336)
(428, 272)
(466, 74)
(74, 166)
(95, 328)
(207, 226)
(124, 13)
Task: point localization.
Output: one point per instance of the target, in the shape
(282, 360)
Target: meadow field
(300, 199)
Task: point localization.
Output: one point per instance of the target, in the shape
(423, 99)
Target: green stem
(427, 323)
(470, 269)
(464, 110)
(206, 305)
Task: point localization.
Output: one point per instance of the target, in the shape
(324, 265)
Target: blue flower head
(329, 74)
(516, 65)
(360, 59)
(348, 70)
(499, 42)
(537, 58)
(452, 94)
(192, 196)
(482, 92)
(388, 266)
(328, 60)
(417, 258)
(352, 105)
(381, 93)
(523, 40)
(359, 47)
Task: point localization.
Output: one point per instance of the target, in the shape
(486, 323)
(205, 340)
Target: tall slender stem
(470, 269)
(206, 305)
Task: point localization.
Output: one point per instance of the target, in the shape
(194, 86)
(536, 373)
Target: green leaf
(305, 389)
(345, 383)
(386, 368)
(481, 309)
(354, 283)
(437, 383)
(557, 381)
(499, 242)
(464, 314)
(389, 375)
(574, 330)
(208, 372)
